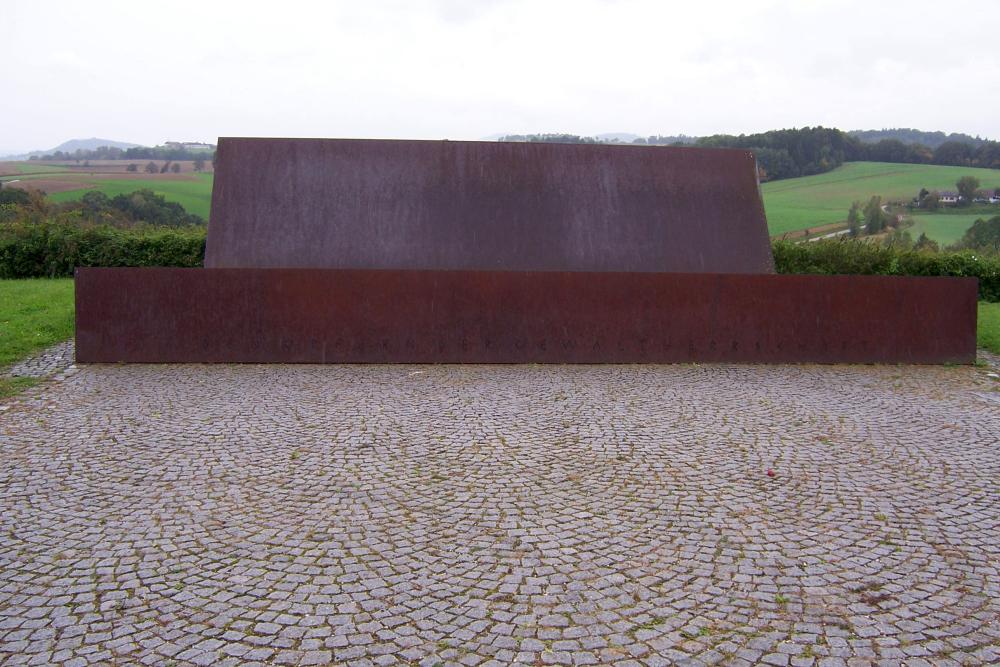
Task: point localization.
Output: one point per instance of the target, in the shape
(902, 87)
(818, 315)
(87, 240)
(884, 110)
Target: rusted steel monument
(369, 251)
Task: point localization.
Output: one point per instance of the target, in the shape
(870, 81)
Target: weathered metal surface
(380, 204)
(315, 315)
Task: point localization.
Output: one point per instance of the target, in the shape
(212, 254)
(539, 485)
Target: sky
(155, 71)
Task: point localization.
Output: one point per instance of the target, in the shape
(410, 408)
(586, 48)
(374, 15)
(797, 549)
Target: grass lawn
(810, 201)
(988, 334)
(195, 194)
(34, 314)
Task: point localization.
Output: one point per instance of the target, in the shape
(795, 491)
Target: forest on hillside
(815, 150)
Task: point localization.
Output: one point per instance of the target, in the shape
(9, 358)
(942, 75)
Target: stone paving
(49, 362)
(475, 515)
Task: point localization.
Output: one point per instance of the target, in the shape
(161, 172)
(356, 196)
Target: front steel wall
(358, 316)
(381, 204)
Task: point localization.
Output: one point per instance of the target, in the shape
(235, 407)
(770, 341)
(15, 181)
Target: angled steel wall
(377, 204)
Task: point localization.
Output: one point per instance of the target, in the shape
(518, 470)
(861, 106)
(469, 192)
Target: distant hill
(73, 145)
(910, 136)
(87, 145)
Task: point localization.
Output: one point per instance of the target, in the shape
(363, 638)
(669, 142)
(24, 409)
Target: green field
(945, 228)
(810, 201)
(194, 195)
(29, 168)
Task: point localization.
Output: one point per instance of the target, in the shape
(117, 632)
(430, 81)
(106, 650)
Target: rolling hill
(73, 145)
(800, 203)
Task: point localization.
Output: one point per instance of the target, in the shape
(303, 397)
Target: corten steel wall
(315, 315)
(380, 204)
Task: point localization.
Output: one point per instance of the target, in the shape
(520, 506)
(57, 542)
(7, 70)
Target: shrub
(54, 248)
(851, 256)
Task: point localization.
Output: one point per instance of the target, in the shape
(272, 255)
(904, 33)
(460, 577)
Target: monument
(371, 251)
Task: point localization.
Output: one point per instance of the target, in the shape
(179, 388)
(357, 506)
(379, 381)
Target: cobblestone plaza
(493, 515)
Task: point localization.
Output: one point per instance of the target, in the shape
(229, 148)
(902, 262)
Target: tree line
(909, 135)
(135, 153)
(815, 150)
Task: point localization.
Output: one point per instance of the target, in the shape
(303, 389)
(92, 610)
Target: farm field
(66, 182)
(810, 201)
(27, 168)
(193, 192)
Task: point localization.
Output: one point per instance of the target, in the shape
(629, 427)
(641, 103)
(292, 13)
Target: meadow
(945, 228)
(69, 182)
(29, 168)
(194, 193)
(811, 201)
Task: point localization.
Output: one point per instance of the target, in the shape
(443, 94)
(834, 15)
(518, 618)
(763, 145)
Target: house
(948, 197)
(189, 145)
(987, 197)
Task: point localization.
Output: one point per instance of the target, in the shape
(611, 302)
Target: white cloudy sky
(153, 70)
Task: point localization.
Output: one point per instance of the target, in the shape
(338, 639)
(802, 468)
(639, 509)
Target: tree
(875, 218)
(199, 164)
(967, 186)
(854, 219)
(131, 167)
(175, 167)
(899, 238)
(151, 168)
(982, 235)
(166, 165)
(95, 201)
(931, 202)
(15, 196)
(927, 244)
(956, 153)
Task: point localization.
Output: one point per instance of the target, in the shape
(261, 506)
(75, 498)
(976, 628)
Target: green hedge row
(29, 250)
(862, 257)
(52, 249)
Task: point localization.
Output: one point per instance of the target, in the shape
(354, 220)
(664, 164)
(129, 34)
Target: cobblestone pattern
(57, 358)
(473, 515)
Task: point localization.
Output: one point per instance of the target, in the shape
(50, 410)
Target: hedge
(29, 250)
(52, 249)
(861, 257)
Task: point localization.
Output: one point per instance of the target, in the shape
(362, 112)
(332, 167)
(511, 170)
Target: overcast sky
(153, 71)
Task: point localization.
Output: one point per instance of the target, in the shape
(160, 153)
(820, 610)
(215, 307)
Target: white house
(948, 197)
(987, 197)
